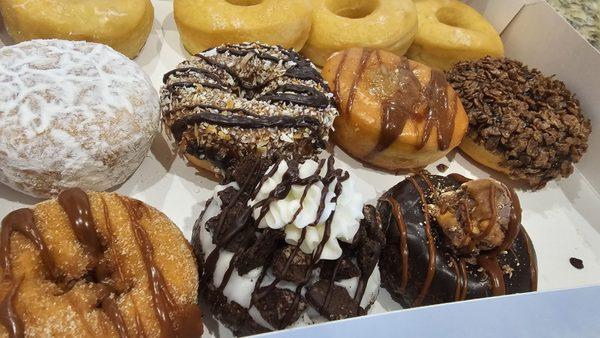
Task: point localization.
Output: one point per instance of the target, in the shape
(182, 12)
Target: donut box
(561, 218)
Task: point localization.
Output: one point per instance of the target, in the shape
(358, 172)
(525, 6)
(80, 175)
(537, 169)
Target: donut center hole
(352, 9)
(245, 2)
(449, 16)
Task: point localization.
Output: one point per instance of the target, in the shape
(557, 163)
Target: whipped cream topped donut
(287, 245)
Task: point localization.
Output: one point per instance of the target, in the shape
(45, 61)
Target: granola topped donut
(521, 122)
(244, 100)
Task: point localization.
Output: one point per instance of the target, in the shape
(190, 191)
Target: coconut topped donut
(72, 114)
(248, 99)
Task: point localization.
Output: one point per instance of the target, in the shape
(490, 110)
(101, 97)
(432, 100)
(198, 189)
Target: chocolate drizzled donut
(420, 266)
(285, 280)
(247, 99)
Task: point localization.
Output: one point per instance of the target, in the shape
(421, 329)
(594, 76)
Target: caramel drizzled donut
(429, 260)
(395, 113)
(87, 264)
(244, 100)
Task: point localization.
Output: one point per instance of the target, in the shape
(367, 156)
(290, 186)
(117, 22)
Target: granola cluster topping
(534, 122)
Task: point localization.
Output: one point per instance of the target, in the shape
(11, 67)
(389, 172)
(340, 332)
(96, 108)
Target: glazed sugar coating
(287, 260)
(72, 114)
(248, 99)
(532, 121)
(70, 287)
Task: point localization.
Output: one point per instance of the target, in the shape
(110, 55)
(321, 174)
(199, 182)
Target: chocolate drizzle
(402, 98)
(242, 219)
(459, 277)
(75, 203)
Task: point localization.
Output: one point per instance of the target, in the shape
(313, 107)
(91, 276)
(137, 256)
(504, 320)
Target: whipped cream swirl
(299, 210)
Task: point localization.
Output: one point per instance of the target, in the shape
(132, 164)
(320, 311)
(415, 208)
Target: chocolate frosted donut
(468, 244)
(288, 245)
(96, 265)
(248, 99)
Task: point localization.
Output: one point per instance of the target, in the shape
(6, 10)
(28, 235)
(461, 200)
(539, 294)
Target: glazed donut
(522, 123)
(395, 113)
(211, 23)
(451, 239)
(72, 114)
(96, 264)
(124, 25)
(288, 245)
(451, 31)
(243, 100)
(340, 24)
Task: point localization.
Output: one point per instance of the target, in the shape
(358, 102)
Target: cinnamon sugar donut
(96, 264)
(243, 100)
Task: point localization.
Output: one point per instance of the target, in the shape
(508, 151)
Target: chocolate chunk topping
(576, 263)
(280, 307)
(297, 267)
(534, 122)
(260, 252)
(346, 269)
(332, 301)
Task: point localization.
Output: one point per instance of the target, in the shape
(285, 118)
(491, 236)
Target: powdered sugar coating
(72, 114)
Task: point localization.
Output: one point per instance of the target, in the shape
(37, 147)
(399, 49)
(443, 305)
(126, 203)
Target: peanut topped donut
(248, 99)
(522, 123)
(96, 264)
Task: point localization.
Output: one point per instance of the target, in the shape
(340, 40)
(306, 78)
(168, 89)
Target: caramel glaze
(449, 276)
(75, 203)
(249, 191)
(407, 101)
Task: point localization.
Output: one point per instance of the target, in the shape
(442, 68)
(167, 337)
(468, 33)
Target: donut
(522, 123)
(452, 239)
(395, 113)
(243, 100)
(287, 245)
(72, 114)
(124, 25)
(340, 24)
(451, 31)
(96, 264)
(211, 23)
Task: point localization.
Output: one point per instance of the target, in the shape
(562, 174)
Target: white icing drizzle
(72, 114)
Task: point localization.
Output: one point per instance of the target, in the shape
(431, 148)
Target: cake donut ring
(337, 25)
(451, 31)
(451, 239)
(124, 25)
(243, 100)
(96, 264)
(394, 113)
(211, 23)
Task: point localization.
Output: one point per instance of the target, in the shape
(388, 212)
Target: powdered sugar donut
(72, 114)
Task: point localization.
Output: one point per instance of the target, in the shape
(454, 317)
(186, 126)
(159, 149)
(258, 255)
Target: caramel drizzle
(404, 104)
(430, 246)
(397, 212)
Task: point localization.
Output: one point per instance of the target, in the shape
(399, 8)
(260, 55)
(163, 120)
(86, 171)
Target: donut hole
(450, 16)
(352, 9)
(245, 2)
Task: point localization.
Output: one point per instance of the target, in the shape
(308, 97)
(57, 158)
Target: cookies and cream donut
(72, 114)
(395, 113)
(124, 25)
(337, 25)
(451, 239)
(450, 31)
(96, 264)
(522, 123)
(244, 100)
(287, 245)
(211, 23)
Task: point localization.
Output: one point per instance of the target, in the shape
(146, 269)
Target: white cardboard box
(562, 219)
